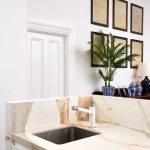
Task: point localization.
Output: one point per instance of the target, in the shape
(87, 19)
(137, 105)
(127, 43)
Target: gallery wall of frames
(120, 21)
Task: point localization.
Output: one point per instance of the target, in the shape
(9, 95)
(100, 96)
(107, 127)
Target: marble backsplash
(34, 114)
(127, 112)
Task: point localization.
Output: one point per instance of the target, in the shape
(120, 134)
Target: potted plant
(112, 57)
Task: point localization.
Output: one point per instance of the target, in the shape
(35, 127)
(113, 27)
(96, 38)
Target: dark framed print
(120, 15)
(124, 41)
(136, 48)
(100, 12)
(95, 39)
(137, 13)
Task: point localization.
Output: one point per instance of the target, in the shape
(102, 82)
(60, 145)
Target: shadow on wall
(85, 72)
(88, 76)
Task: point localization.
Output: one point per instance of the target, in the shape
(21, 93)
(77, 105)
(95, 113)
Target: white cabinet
(18, 146)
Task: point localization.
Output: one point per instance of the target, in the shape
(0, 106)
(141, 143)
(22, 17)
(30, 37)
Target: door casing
(69, 37)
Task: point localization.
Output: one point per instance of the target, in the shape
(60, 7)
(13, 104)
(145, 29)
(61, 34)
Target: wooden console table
(144, 96)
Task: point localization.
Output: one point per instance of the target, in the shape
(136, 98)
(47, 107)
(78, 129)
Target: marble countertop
(112, 137)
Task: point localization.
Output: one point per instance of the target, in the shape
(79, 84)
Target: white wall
(12, 56)
(76, 13)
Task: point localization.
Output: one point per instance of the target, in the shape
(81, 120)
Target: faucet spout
(90, 111)
(76, 108)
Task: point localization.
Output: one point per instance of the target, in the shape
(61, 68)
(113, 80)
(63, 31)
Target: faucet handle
(92, 104)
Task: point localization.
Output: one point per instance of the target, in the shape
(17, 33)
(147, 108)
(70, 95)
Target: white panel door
(46, 65)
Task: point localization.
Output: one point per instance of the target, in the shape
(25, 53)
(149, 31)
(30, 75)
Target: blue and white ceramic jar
(108, 90)
(138, 89)
(132, 90)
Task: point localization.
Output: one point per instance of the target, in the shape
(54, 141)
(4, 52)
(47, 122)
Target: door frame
(69, 37)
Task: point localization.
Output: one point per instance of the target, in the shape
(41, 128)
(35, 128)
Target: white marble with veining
(124, 123)
(112, 137)
(133, 113)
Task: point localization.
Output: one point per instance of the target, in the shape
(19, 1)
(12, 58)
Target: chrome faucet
(90, 111)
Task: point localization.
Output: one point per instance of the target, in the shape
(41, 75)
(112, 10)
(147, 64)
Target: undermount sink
(65, 135)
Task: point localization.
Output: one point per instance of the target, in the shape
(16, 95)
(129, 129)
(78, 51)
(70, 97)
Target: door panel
(36, 56)
(46, 65)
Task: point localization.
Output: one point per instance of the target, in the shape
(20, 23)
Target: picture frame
(137, 18)
(94, 38)
(136, 48)
(100, 12)
(120, 12)
(123, 40)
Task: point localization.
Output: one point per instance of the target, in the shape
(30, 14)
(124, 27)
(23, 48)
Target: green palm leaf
(112, 56)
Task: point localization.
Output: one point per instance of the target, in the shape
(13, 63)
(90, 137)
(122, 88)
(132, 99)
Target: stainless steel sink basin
(65, 135)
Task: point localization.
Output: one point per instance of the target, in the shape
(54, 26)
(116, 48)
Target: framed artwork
(124, 41)
(136, 48)
(100, 12)
(120, 15)
(95, 38)
(137, 13)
